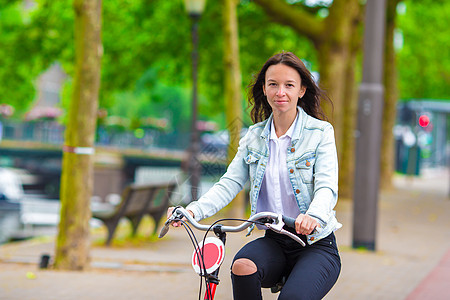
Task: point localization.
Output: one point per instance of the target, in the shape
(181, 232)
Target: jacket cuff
(198, 216)
(319, 220)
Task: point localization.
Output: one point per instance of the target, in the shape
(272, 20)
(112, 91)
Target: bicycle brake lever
(285, 232)
(165, 228)
(278, 227)
(167, 224)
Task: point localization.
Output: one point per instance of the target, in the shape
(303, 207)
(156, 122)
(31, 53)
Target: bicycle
(209, 254)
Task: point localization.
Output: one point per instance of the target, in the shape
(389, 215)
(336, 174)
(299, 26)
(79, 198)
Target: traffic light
(424, 121)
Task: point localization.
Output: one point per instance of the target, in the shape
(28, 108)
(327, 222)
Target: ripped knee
(243, 266)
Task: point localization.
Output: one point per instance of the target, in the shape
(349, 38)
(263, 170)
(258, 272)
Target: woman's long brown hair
(310, 102)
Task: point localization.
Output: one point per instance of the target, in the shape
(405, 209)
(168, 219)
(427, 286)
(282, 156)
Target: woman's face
(283, 87)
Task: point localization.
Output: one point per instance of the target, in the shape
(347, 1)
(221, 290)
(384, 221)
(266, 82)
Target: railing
(51, 132)
(46, 132)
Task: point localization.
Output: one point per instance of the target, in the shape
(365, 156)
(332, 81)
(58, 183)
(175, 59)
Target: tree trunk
(332, 62)
(337, 78)
(337, 63)
(350, 109)
(233, 97)
(390, 99)
(72, 248)
(334, 40)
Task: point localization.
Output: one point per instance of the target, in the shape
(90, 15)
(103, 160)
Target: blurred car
(217, 142)
(11, 194)
(11, 190)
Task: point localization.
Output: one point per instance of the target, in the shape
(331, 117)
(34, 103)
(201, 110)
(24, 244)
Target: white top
(276, 193)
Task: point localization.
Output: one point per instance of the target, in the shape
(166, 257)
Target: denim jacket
(312, 167)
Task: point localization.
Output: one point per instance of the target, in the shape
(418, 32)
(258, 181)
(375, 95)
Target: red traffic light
(424, 121)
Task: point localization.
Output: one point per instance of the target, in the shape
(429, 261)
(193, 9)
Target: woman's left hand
(305, 224)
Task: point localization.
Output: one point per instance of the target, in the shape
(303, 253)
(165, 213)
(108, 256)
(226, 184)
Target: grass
(144, 236)
(123, 235)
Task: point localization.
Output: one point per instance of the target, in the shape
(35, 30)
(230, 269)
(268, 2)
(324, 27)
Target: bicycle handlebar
(277, 225)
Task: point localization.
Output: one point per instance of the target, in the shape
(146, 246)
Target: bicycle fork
(211, 286)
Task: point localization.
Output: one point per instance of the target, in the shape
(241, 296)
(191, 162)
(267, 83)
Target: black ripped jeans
(312, 270)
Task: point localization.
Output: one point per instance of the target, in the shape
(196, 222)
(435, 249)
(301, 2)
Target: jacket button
(312, 238)
(308, 163)
(292, 149)
(297, 191)
(291, 171)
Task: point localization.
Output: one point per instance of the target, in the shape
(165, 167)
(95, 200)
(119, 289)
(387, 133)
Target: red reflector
(212, 251)
(424, 121)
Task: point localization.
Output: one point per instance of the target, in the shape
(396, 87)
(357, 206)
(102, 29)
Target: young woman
(290, 158)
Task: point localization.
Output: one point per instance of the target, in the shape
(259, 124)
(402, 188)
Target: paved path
(412, 260)
(436, 284)
(413, 236)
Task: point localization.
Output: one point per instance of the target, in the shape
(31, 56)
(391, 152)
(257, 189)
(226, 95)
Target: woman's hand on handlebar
(305, 224)
(177, 224)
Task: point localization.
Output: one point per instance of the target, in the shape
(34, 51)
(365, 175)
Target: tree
(419, 74)
(16, 73)
(42, 31)
(233, 82)
(335, 39)
(72, 248)
(423, 60)
(390, 98)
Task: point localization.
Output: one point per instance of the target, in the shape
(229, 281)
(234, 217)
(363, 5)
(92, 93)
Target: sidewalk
(412, 260)
(412, 237)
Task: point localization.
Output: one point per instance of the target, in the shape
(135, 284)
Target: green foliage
(152, 98)
(31, 40)
(424, 60)
(260, 38)
(146, 66)
(147, 45)
(15, 78)
(138, 35)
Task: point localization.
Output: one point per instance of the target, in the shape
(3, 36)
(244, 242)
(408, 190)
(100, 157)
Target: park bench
(137, 201)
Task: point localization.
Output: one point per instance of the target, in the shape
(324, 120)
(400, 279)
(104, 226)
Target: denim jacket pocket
(252, 160)
(305, 166)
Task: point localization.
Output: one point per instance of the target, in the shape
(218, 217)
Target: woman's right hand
(177, 224)
(305, 224)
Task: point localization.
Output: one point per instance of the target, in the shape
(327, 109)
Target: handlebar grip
(290, 222)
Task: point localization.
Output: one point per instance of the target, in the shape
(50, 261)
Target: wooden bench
(137, 201)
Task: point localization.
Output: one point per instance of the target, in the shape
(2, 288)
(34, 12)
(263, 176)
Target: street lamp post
(195, 9)
(370, 111)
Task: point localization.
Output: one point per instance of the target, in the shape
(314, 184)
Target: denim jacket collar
(300, 124)
(265, 134)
